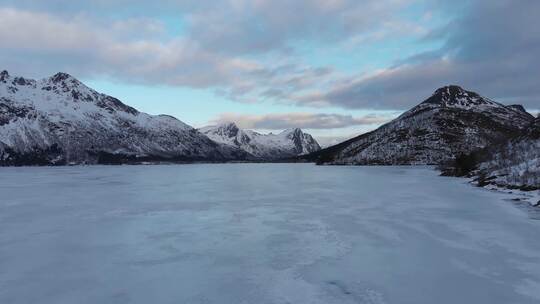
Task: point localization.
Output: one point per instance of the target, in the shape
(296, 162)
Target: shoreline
(531, 197)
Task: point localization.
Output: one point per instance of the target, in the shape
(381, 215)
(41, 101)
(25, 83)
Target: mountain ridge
(288, 143)
(59, 120)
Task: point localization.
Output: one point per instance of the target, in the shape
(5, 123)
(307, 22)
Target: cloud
(243, 50)
(254, 26)
(80, 47)
(243, 26)
(85, 49)
(492, 49)
(299, 120)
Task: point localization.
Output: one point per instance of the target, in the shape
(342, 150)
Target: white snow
(58, 104)
(261, 233)
(290, 142)
(61, 110)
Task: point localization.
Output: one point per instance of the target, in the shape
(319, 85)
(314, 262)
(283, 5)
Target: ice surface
(260, 233)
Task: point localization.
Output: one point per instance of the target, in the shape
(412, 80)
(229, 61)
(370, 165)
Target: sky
(335, 68)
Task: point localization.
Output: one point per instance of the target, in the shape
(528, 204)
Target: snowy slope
(451, 122)
(515, 164)
(59, 120)
(291, 142)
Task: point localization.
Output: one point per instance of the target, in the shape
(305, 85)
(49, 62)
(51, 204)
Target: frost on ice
(254, 233)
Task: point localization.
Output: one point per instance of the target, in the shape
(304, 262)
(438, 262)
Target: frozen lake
(260, 233)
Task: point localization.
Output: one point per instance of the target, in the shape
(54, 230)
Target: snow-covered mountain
(289, 143)
(451, 122)
(59, 120)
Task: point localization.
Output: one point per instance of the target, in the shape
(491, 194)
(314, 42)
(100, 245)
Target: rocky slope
(289, 143)
(451, 122)
(59, 120)
(515, 164)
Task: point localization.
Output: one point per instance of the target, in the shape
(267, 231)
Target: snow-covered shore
(531, 197)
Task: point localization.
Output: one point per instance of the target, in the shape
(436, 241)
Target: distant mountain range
(286, 144)
(450, 123)
(58, 120)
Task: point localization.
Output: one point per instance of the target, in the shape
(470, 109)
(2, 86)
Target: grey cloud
(81, 47)
(259, 26)
(77, 46)
(300, 120)
(213, 51)
(242, 27)
(492, 49)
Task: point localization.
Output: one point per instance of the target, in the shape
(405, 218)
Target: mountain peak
(66, 83)
(294, 131)
(457, 97)
(450, 92)
(15, 81)
(4, 75)
(60, 77)
(229, 129)
(449, 89)
(518, 107)
(229, 125)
